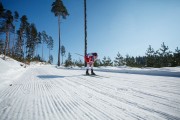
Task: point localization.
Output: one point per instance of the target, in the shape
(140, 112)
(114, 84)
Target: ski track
(48, 93)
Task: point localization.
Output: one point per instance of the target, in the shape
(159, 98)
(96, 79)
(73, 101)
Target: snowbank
(165, 71)
(9, 70)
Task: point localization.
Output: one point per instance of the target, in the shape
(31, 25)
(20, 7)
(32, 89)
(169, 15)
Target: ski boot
(87, 73)
(92, 73)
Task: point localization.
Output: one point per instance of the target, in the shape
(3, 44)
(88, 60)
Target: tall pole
(85, 31)
(59, 41)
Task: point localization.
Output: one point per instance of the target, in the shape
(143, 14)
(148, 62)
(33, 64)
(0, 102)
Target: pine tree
(68, 62)
(1, 46)
(63, 52)
(79, 63)
(107, 61)
(97, 63)
(50, 44)
(2, 18)
(140, 61)
(59, 10)
(119, 60)
(127, 60)
(104, 61)
(50, 59)
(177, 57)
(164, 55)
(21, 36)
(44, 41)
(150, 56)
(130, 61)
(32, 34)
(18, 49)
(16, 17)
(8, 26)
(39, 39)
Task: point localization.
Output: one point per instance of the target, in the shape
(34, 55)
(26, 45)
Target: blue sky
(125, 26)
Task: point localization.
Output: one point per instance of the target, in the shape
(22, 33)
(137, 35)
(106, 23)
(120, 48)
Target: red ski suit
(89, 58)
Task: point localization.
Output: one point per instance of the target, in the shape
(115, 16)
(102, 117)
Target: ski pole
(79, 54)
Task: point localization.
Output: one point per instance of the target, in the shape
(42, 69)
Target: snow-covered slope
(44, 92)
(165, 71)
(10, 69)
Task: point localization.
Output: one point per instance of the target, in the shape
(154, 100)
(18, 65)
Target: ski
(97, 76)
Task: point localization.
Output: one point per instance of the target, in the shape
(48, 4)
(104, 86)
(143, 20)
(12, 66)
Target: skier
(90, 59)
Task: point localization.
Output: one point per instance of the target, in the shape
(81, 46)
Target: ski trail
(47, 93)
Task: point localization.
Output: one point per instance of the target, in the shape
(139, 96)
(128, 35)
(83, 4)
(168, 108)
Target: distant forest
(153, 58)
(22, 43)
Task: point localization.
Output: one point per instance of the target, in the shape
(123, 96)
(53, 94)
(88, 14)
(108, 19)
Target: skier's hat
(95, 54)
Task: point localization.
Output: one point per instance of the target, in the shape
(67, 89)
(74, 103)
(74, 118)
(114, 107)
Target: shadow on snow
(49, 76)
(54, 76)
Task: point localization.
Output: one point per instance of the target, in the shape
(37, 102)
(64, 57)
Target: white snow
(166, 71)
(9, 71)
(44, 92)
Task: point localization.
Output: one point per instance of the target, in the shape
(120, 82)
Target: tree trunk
(42, 50)
(62, 58)
(49, 54)
(21, 45)
(13, 41)
(25, 52)
(9, 45)
(85, 31)
(59, 40)
(6, 44)
(37, 50)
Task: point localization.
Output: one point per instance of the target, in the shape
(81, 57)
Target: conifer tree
(50, 45)
(177, 57)
(50, 59)
(130, 61)
(150, 56)
(164, 55)
(44, 41)
(32, 34)
(79, 63)
(104, 61)
(68, 62)
(140, 61)
(1, 46)
(119, 60)
(21, 38)
(63, 52)
(8, 26)
(16, 17)
(2, 18)
(107, 61)
(59, 10)
(97, 63)
(39, 39)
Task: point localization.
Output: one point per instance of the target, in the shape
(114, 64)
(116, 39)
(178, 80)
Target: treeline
(162, 57)
(22, 42)
(153, 58)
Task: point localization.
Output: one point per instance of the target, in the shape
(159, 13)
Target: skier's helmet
(95, 54)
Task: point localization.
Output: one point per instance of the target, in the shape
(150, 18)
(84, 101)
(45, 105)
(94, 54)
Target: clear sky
(125, 26)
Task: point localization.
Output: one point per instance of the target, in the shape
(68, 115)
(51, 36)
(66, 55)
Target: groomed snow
(43, 92)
